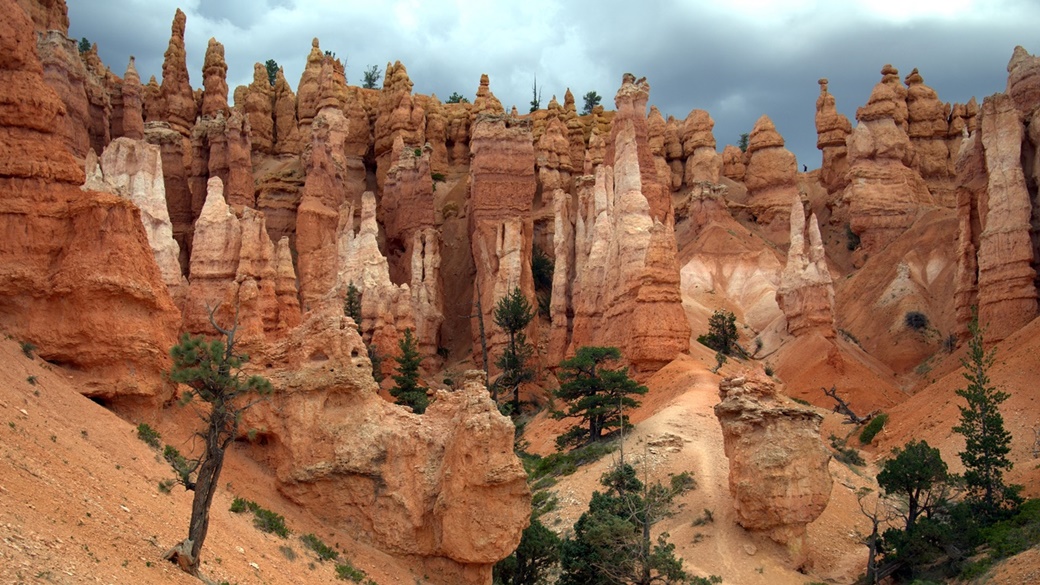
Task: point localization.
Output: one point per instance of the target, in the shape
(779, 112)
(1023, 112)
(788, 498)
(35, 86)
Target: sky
(737, 59)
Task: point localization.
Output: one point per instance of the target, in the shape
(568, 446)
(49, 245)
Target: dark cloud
(738, 61)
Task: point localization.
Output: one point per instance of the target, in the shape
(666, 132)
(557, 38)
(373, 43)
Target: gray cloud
(739, 62)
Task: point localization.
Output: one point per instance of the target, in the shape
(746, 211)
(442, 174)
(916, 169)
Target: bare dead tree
(844, 408)
(880, 513)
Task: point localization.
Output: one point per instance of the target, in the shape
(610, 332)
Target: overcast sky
(736, 59)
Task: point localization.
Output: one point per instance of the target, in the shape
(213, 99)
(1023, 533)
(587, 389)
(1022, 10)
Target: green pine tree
(406, 388)
(513, 314)
(595, 395)
(986, 441)
(352, 305)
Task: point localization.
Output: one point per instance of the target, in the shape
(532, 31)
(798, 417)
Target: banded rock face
(443, 491)
(832, 129)
(502, 175)
(884, 193)
(626, 284)
(778, 475)
(95, 303)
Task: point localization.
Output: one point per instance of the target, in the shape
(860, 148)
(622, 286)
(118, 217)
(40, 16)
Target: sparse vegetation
(324, 551)
(264, 519)
(846, 455)
(720, 360)
(742, 143)
(352, 304)
(84, 45)
(536, 96)
(28, 348)
(916, 320)
(872, 428)
(851, 238)
(456, 98)
(348, 572)
(592, 99)
(31, 380)
(150, 436)
(370, 77)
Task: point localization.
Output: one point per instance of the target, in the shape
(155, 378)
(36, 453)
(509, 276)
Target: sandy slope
(676, 431)
(79, 500)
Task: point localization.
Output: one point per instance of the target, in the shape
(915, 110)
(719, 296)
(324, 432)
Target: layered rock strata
(443, 490)
(832, 129)
(626, 285)
(884, 193)
(96, 304)
(771, 175)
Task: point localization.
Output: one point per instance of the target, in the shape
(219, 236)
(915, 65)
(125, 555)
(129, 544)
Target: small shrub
(710, 580)
(270, 522)
(872, 428)
(950, 343)
(31, 380)
(769, 370)
(149, 435)
(324, 551)
(916, 320)
(846, 455)
(720, 360)
(166, 485)
(683, 482)
(28, 348)
(708, 517)
(437, 177)
(288, 552)
(263, 519)
(848, 336)
(417, 152)
(348, 572)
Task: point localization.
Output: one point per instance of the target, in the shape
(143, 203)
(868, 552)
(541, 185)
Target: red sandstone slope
(79, 500)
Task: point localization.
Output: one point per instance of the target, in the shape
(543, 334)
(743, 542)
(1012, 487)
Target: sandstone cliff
(443, 489)
(93, 303)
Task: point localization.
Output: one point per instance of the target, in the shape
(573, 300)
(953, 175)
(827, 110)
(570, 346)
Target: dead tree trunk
(844, 408)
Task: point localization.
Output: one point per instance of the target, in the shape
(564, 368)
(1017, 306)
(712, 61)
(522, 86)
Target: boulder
(778, 474)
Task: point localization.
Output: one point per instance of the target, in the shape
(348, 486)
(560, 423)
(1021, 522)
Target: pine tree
(407, 390)
(595, 395)
(513, 314)
(272, 70)
(370, 77)
(592, 99)
(722, 332)
(352, 305)
(986, 441)
(612, 544)
(212, 371)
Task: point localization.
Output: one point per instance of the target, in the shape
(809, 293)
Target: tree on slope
(513, 314)
(594, 394)
(611, 542)
(212, 371)
(917, 475)
(986, 441)
(406, 388)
